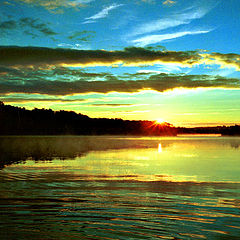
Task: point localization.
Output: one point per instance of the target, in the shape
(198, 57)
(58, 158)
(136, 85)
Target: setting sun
(159, 120)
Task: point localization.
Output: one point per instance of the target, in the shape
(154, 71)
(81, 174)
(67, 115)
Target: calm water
(119, 188)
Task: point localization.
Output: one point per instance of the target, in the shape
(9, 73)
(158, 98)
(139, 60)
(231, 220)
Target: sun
(159, 121)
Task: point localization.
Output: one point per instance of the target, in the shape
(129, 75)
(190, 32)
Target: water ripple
(180, 193)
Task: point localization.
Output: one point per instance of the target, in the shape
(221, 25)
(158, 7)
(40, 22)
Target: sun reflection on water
(160, 148)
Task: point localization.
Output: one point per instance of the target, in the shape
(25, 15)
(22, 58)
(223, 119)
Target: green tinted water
(119, 188)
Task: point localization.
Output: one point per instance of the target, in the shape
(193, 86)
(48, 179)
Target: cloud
(229, 60)
(27, 99)
(74, 46)
(61, 74)
(84, 36)
(163, 69)
(29, 26)
(169, 2)
(131, 56)
(8, 3)
(24, 57)
(103, 13)
(36, 24)
(55, 5)
(148, 1)
(158, 82)
(169, 22)
(151, 39)
(8, 25)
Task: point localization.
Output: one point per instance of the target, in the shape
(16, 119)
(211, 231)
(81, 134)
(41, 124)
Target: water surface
(119, 187)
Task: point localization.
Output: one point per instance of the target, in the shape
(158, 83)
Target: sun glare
(160, 121)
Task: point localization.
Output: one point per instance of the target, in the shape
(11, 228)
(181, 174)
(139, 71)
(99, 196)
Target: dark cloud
(8, 25)
(60, 73)
(157, 82)
(18, 99)
(37, 25)
(29, 33)
(83, 36)
(65, 81)
(10, 71)
(38, 56)
(131, 56)
(28, 26)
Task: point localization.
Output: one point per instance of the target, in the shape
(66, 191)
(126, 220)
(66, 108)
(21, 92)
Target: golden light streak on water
(160, 148)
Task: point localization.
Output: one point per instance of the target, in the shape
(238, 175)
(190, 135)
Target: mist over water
(109, 187)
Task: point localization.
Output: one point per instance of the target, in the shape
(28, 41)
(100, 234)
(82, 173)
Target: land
(20, 121)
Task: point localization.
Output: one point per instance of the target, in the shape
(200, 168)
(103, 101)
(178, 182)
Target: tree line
(20, 121)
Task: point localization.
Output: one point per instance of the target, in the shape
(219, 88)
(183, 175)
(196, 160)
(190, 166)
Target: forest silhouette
(20, 121)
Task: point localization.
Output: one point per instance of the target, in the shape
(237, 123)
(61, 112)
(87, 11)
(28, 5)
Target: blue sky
(142, 59)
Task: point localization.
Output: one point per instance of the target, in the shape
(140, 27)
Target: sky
(176, 60)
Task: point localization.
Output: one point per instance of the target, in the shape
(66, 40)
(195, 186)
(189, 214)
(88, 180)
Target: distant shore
(20, 121)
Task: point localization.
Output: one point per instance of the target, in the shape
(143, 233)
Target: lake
(114, 187)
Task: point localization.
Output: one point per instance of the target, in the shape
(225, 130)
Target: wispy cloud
(172, 21)
(103, 13)
(169, 2)
(115, 105)
(74, 46)
(29, 26)
(84, 36)
(8, 25)
(36, 24)
(55, 5)
(151, 39)
(167, 68)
